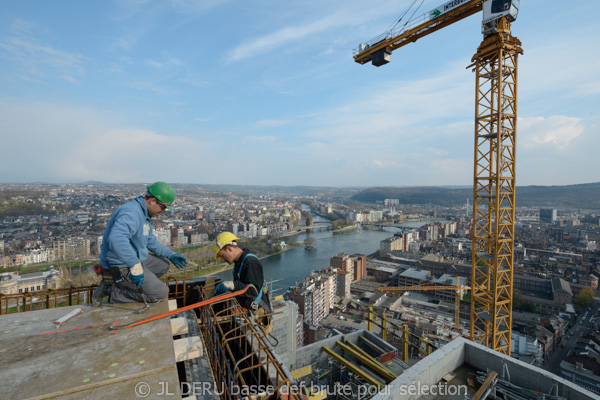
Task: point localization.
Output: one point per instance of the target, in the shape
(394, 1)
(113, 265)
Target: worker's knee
(159, 293)
(157, 265)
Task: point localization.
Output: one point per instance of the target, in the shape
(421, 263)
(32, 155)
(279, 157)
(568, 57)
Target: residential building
(548, 215)
(12, 283)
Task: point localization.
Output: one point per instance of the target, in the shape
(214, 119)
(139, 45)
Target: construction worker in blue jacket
(247, 270)
(127, 266)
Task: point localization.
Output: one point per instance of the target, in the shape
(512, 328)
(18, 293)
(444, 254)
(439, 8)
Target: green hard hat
(163, 192)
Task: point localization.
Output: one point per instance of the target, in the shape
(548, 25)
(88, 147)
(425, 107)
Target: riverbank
(305, 229)
(230, 266)
(348, 230)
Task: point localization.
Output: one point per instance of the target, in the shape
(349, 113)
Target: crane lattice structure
(496, 68)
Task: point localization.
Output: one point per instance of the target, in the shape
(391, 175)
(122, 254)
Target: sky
(267, 93)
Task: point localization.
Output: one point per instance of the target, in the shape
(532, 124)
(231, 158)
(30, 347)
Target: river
(293, 265)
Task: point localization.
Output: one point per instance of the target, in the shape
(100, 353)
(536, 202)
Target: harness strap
(262, 289)
(244, 259)
(257, 299)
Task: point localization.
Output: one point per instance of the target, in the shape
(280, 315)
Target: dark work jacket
(250, 271)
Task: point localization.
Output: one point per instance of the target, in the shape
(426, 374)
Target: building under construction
(219, 352)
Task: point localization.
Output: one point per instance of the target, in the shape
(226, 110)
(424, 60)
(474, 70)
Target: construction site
(193, 347)
(198, 345)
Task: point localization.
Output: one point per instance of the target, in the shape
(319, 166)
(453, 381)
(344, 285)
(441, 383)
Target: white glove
(228, 285)
(136, 269)
(136, 275)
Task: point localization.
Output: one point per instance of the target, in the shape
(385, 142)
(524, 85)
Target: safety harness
(261, 305)
(258, 301)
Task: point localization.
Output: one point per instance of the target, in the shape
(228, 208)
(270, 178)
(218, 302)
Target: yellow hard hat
(223, 240)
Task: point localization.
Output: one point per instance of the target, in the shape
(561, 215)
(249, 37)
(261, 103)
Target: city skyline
(268, 94)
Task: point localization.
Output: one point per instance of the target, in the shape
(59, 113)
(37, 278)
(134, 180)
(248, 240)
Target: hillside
(585, 195)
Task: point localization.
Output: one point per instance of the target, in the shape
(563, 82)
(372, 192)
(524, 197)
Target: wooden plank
(179, 326)
(209, 287)
(172, 305)
(492, 375)
(299, 373)
(448, 377)
(188, 348)
(319, 396)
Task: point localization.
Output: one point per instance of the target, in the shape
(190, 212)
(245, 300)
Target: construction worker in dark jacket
(247, 270)
(127, 267)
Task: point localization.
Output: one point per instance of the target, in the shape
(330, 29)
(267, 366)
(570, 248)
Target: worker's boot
(100, 293)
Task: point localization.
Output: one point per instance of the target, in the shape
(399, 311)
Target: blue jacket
(128, 237)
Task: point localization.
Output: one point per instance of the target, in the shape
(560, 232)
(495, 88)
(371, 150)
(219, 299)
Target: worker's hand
(223, 287)
(178, 260)
(136, 275)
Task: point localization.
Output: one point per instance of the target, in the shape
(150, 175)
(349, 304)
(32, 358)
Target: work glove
(178, 260)
(136, 275)
(223, 287)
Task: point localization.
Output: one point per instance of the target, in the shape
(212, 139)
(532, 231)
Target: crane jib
(452, 4)
(444, 8)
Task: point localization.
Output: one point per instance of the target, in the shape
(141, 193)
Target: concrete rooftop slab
(84, 358)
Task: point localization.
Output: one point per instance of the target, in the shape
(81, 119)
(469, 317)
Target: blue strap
(257, 300)
(260, 292)
(242, 263)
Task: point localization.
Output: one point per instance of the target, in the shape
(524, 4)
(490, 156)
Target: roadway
(581, 325)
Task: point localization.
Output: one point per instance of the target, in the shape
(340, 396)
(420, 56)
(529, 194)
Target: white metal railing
(393, 32)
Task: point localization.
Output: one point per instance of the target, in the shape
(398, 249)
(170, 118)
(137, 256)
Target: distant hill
(323, 191)
(585, 195)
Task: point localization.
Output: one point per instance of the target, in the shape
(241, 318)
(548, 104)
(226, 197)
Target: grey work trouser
(154, 289)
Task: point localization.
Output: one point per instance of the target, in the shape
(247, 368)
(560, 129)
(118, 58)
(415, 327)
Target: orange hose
(186, 308)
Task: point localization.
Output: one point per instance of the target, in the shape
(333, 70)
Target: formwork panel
(84, 358)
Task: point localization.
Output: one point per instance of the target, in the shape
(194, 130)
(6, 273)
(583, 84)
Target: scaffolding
(52, 298)
(338, 382)
(241, 359)
(45, 299)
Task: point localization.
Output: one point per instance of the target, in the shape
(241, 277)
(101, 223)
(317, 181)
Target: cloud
(437, 152)
(554, 132)
(191, 81)
(394, 114)
(277, 39)
(262, 138)
(164, 65)
(70, 144)
(351, 15)
(33, 59)
(449, 169)
(572, 75)
(126, 42)
(383, 164)
(271, 123)
(195, 6)
(543, 160)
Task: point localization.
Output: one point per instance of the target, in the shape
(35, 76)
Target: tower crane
(458, 288)
(495, 64)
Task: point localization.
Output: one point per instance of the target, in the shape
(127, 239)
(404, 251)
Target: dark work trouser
(154, 289)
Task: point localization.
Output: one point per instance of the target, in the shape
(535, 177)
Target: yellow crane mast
(457, 289)
(496, 68)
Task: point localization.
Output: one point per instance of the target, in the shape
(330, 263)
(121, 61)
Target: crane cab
(493, 10)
